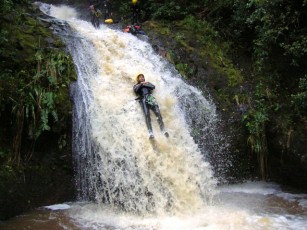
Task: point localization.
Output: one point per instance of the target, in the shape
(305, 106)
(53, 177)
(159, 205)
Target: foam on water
(58, 207)
(253, 188)
(232, 209)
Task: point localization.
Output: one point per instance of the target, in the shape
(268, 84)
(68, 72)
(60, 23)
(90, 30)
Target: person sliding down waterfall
(144, 90)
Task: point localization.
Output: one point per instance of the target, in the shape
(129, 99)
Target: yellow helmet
(137, 76)
(134, 1)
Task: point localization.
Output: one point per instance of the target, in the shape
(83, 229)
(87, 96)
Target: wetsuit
(147, 101)
(107, 6)
(135, 8)
(96, 13)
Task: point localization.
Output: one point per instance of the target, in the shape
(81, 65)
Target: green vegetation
(213, 47)
(299, 98)
(35, 98)
(255, 121)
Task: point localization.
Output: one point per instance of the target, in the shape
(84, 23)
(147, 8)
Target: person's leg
(147, 117)
(97, 23)
(93, 20)
(157, 112)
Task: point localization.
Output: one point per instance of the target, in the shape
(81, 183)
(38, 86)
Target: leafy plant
(299, 99)
(34, 105)
(167, 10)
(5, 6)
(184, 69)
(255, 121)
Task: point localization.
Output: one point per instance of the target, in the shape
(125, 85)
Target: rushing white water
(248, 206)
(117, 164)
(126, 182)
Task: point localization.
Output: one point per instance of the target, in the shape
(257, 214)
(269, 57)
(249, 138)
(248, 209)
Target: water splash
(116, 163)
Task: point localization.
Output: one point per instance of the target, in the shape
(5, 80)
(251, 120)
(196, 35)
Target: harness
(149, 99)
(97, 13)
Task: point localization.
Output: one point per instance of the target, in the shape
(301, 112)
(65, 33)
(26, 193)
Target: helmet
(134, 1)
(137, 76)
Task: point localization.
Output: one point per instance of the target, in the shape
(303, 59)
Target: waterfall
(116, 164)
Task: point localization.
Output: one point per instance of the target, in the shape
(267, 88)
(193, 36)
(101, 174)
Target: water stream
(124, 180)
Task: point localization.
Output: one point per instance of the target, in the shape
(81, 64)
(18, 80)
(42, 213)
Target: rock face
(49, 181)
(288, 158)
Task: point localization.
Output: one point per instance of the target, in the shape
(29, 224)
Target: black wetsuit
(107, 7)
(96, 13)
(135, 9)
(147, 101)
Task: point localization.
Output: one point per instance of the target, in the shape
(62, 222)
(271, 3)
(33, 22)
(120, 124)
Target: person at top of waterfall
(134, 29)
(147, 101)
(95, 12)
(107, 8)
(135, 9)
